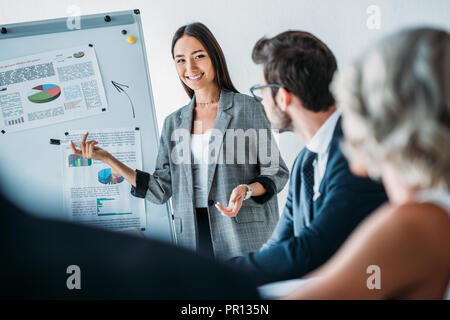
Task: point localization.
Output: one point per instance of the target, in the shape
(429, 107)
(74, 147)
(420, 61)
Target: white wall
(237, 24)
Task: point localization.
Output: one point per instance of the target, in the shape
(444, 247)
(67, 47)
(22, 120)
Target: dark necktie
(308, 182)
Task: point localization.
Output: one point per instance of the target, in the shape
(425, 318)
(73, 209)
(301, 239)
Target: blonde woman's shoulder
(426, 226)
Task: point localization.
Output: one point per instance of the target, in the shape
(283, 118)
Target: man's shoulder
(336, 158)
(338, 171)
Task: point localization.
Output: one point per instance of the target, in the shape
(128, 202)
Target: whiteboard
(30, 166)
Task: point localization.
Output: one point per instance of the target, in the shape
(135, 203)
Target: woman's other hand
(235, 203)
(89, 150)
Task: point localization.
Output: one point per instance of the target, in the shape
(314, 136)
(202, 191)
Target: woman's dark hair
(203, 34)
(301, 63)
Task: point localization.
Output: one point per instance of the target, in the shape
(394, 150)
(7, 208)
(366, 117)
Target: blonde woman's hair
(396, 107)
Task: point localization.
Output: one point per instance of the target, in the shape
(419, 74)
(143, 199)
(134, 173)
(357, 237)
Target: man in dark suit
(325, 201)
(35, 256)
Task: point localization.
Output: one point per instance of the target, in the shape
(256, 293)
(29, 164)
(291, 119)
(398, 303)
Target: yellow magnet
(131, 39)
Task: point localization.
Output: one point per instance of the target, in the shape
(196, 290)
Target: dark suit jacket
(299, 244)
(35, 254)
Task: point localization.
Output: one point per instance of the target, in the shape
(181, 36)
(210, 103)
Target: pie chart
(109, 176)
(44, 93)
(79, 54)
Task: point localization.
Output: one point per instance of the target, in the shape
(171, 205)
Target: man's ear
(283, 99)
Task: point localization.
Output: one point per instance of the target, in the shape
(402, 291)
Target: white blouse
(200, 156)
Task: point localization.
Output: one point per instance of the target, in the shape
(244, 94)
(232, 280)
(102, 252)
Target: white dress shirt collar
(321, 139)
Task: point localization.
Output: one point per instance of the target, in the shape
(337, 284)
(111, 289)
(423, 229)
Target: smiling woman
(199, 187)
(206, 51)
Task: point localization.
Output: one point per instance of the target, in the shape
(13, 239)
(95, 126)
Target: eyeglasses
(256, 90)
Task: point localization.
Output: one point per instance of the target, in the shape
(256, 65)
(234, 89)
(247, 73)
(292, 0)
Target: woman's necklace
(206, 103)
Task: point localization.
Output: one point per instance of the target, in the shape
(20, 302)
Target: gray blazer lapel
(220, 124)
(185, 123)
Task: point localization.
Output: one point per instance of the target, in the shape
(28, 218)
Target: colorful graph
(44, 93)
(77, 161)
(108, 207)
(109, 176)
(15, 121)
(79, 54)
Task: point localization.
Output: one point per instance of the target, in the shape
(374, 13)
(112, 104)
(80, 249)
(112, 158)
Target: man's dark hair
(301, 63)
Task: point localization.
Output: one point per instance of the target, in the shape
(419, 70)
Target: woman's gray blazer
(255, 221)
